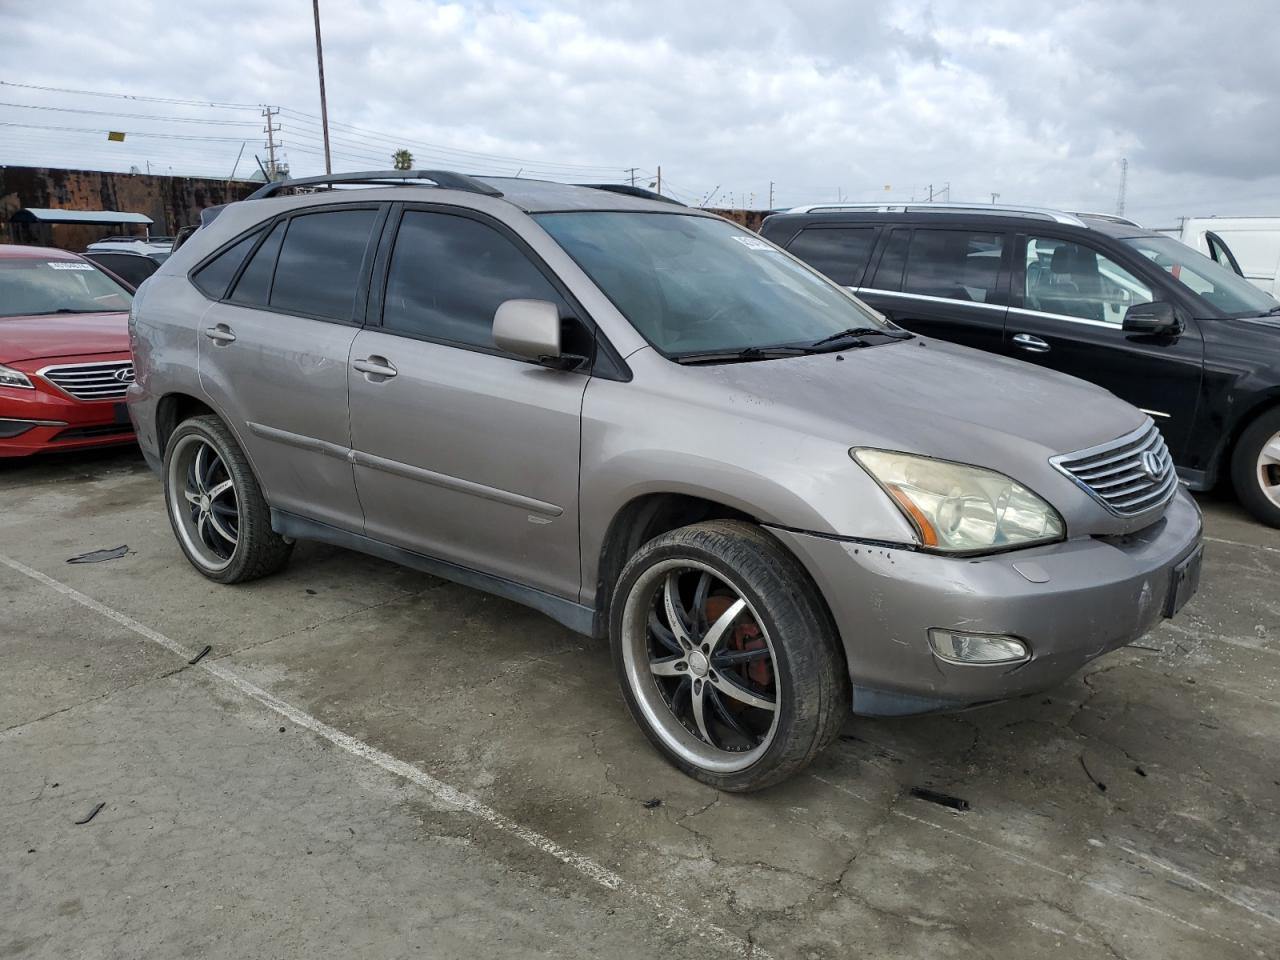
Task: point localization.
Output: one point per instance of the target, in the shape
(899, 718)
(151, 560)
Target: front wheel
(727, 656)
(1255, 468)
(216, 507)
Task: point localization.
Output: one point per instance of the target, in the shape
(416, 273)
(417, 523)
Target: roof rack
(444, 179)
(627, 190)
(1109, 217)
(990, 209)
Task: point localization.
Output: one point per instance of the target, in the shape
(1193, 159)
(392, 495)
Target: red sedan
(64, 353)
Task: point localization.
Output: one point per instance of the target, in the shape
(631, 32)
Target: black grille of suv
(1128, 476)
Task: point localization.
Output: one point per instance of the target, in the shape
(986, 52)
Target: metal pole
(659, 178)
(324, 106)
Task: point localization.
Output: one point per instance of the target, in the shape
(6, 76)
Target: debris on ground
(1102, 787)
(201, 655)
(97, 556)
(941, 799)
(91, 814)
(651, 804)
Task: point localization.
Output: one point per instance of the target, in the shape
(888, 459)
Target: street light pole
(324, 106)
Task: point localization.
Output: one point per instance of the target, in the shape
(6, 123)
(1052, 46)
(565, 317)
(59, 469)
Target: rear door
(274, 353)
(462, 452)
(1070, 300)
(946, 282)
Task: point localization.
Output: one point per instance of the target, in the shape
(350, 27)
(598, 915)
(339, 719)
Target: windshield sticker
(69, 265)
(754, 243)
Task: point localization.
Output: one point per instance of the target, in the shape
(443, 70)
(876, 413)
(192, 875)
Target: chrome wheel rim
(203, 502)
(701, 665)
(1269, 470)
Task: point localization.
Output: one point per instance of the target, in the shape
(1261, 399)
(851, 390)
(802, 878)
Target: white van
(1248, 245)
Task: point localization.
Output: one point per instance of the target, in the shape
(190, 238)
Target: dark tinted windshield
(1231, 294)
(33, 287)
(695, 284)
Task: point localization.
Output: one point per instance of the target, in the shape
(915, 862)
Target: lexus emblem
(1151, 465)
(124, 375)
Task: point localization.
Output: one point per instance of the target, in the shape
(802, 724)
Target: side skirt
(575, 616)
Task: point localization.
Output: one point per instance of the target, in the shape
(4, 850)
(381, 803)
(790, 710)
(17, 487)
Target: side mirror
(1152, 319)
(528, 328)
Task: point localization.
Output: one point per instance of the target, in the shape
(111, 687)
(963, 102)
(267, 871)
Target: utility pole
(270, 131)
(931, 193)
(995, 197)
(770, 194)
(324, 106)
(659, 178)
(1124, 185)
(632, 171)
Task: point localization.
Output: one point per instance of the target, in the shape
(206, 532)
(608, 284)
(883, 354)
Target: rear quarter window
(216, 275)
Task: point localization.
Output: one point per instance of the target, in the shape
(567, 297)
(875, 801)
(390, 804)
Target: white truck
(1248, 245)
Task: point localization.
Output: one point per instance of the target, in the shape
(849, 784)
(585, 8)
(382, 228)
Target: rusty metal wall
(172, 202)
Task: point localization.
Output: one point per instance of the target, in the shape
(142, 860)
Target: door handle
(1032, 344)
(220, 334)
(375, 368)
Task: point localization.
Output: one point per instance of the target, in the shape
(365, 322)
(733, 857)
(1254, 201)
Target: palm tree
(403, 159)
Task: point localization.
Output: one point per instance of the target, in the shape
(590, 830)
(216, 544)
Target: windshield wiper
(79, 310)
(744, 355)
(855, 333)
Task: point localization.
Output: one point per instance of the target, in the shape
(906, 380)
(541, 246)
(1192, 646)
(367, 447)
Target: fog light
(957, 647)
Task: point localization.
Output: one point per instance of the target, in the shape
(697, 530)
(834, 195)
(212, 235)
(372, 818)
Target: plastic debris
(941, 799)
(97, 556)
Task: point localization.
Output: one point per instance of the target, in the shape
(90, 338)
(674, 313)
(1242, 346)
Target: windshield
(693, 284)
(30, 287)
(1230, 293)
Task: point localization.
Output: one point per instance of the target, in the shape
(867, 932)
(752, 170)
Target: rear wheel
(727, 657)
(215, 506)
(1255, 468)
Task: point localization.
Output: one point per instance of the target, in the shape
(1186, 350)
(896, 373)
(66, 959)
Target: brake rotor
(745, 636)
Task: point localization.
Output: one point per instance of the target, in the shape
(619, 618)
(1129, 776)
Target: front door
(946, 283)
(1069, 304)
(462, 452)
(274, 353)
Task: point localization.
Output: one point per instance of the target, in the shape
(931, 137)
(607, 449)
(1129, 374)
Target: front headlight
(14, 378)
(957, 508)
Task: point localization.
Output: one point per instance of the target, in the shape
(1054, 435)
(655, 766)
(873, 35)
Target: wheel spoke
(699, 718)
(192, 498)
(725, 714)
(735, 657)
(221, 488)
(214, 464)
(700, 602)
(221, 529)
(675, 616)
(715, 633)
(1271, 452)
(198, 468)
(662, 634)
(669, 667)
(742, 694)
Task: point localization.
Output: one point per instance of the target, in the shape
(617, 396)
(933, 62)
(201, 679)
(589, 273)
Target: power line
(129, 96)
(129, 116)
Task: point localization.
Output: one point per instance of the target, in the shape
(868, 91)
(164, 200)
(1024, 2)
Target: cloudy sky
(1035, 101)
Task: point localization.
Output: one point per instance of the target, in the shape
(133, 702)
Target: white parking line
(442, 791)
(1248, 546)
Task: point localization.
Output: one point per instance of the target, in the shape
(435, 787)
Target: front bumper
(1093, 596)
(46, 419)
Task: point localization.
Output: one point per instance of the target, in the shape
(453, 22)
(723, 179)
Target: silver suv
(655, 427)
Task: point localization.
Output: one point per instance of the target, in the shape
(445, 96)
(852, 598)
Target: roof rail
(444, 179)
(1109, 217)
(990, 209)
(628, 190)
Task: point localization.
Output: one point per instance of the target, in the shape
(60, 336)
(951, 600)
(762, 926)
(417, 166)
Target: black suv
(1137, 312)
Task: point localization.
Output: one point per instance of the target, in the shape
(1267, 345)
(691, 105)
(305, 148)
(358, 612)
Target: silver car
(655, 427)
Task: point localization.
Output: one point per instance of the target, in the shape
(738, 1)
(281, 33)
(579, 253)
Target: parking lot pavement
(374, 762)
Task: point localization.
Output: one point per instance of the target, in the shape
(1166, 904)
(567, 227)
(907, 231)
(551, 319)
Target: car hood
(62, 335)
(938, 399)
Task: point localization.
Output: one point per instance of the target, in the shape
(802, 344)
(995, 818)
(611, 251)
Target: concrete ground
(373, 762)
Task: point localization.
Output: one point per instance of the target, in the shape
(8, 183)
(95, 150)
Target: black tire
(258, 550)
(810, 678)
(1246, 474)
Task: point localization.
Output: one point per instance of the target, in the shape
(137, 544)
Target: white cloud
(1035, 102)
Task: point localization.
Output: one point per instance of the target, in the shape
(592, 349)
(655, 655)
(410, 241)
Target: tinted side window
(254, 286)
(214, 276)
(318, 270)
(839, 252)
(449, 274)
(889, 272)
(1073, 280)
(955, 264)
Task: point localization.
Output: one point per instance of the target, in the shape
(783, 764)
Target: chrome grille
(92, 381)
(1128, 476)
